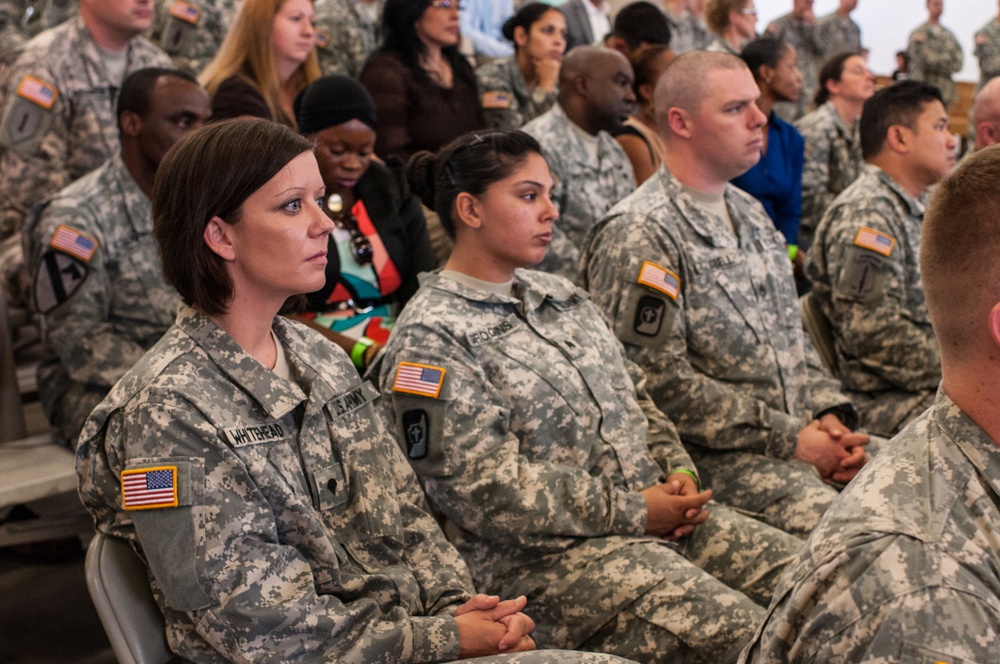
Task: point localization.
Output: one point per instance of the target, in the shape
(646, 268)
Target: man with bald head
(986, 114)
(698, 285)
(906, 565)
(592, 171)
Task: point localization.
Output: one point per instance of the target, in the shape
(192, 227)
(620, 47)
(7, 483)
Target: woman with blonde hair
(267, 58)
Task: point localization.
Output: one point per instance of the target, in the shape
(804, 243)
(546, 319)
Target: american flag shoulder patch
(422, 379)
(73, 242)
(660, 278)
(874, 240)
(38, 91)
(322, 39)
(496, 99)
(149, 488)
(185, 11)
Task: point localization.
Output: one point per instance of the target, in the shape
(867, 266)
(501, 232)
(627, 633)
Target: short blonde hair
(247, 52)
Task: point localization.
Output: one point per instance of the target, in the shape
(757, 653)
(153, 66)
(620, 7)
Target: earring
(768, 80)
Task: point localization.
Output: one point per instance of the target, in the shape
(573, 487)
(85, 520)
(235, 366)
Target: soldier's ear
(467, 210)
(679, 121)
(218, 237)
(994, 320)
(129, 123)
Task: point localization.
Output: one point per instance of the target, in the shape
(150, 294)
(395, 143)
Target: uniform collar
(981, 450)
(914, 206)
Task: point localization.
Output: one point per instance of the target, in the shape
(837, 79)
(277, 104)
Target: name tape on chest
(422, 379)
(149, 488)
(660, 278)
(489, 333)
(185, 11)
(38, 91)
(73, 242)
(874, 240)
(253, 435)
(496, 100)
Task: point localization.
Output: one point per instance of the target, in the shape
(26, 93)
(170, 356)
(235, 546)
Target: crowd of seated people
(596, 406)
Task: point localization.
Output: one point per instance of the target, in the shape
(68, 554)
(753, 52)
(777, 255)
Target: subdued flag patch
(874, 240)
(421, 379)
(38, 91)
(660, 278)
(149, 488)
(496, 100)
(185, 11)
(74, 243)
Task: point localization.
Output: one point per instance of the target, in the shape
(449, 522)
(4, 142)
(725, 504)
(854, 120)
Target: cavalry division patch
(660, 278)
(421, 379)
(149, 488)
(874, 240)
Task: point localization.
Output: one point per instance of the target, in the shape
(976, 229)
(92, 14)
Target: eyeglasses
(447, 4)
(749, 12)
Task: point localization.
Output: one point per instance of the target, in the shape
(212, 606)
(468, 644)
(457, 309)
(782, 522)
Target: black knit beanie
(332, 100)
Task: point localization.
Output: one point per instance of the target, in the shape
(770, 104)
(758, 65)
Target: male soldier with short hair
(591, 168)
(59, 119)
(905, 567)
(837, 32)
(935, 53)
(986, 114)
(91, 252)
(697, 283)
(864, 266)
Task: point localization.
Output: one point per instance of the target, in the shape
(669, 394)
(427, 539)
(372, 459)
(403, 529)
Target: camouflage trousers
(550, 657)
(786, 494)
(698, 601)
(886, 413)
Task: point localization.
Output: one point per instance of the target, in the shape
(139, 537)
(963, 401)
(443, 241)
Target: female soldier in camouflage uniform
(535, 439)
(243, 458)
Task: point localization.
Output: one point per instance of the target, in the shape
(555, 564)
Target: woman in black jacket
(380, 243)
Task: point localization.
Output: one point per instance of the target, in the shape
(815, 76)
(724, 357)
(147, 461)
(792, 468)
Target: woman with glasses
(380, 242)
(733, 22)
(424, 90)
(521, 87)
(268, 56)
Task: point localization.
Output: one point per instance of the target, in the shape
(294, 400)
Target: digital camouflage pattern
(713, 319)
(44, 149)
(987, 50)
(345, 37)
(117, 305)
(869, 288)
(584, 189)
(300, 530)
(534, 452)
(833, 162)
(507, 102)
(687, 32)
(805, 39)
(935, 55)
(904, 566)
(191, 31)
(20, 20)
(838, 35)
